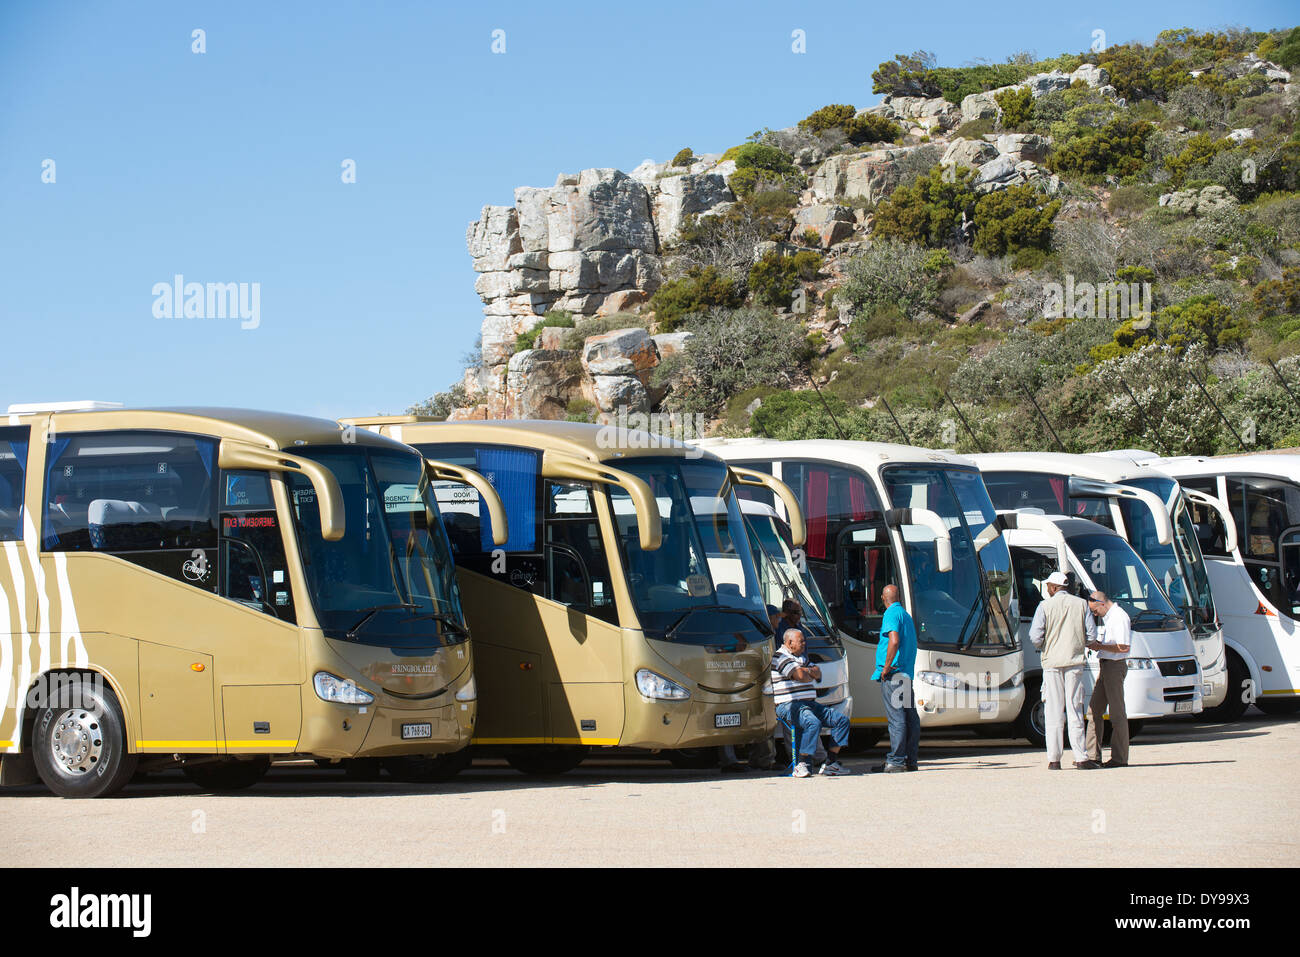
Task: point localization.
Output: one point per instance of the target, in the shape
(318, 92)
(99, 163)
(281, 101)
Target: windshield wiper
(369, 613)
(1161, 616)
(672, 629)
(443, 618)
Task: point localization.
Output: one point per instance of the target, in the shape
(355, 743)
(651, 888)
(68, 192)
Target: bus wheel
(692, 759)
(541, 759)
(862, 740)
(362, 769)
(427, 769)
(1031, 723)
(231, 774)
(81, 752)
(1283, 706)
(1234, 705)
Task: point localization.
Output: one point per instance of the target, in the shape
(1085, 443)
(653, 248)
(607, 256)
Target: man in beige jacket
(1062, 626)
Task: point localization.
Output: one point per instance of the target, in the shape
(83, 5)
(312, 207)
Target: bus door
(865, 564)
(261, 697)
(1290, 571)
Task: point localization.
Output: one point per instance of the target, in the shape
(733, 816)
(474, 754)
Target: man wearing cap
(1108, 694)
(1061, 629)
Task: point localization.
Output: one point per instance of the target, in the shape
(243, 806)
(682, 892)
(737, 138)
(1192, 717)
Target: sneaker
(800, 771)
(832, 768)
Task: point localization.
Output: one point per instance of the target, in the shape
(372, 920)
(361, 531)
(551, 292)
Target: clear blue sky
(225, 166)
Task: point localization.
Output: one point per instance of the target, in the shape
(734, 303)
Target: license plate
(988, 707)
(1182, 706)
(410, 731)
(729, 720)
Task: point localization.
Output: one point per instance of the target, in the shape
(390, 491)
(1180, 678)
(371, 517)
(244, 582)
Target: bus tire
(1234, 705)
(546, 759)
(692, 759)
(231, 774)
(427, 768)
(81, 752)
(1278, 707)
(1031, 723)
(862, 740)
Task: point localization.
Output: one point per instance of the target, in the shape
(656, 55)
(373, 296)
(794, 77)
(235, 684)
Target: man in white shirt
(1061, 629)
(1112, 647)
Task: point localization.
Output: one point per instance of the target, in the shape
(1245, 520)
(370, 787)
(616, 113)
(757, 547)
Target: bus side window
(254, 570)
(145, 497)
(577, 572)
(13, 477)
(1210, 532)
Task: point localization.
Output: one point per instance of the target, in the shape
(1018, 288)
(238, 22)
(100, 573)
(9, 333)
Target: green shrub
(1011, 219)
(730, 350)
(758, 164)
(440, 404)
(581, 410)
(1198, 151)
(929, 211)
(1287, 52)
(977, 129)
(811, 237)
(890, 274)
(1279, 295)
(556, 318)
(773, 278)
(835, 116)
(1017, 107)
(1118, 147)
(684, 157)
(694, 293)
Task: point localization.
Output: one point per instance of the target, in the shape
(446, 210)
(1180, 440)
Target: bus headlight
(653, 685)
(338, 691)
(468, 691)
(938, 680)
(1140, 664)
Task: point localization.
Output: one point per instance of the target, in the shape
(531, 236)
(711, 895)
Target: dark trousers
(904, 722)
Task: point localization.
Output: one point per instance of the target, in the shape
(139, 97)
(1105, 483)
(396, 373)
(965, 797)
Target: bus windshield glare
(1116, 570)
(953, 607)
(390, 580)
(781, 575)
(1179, 566)
(699, 586)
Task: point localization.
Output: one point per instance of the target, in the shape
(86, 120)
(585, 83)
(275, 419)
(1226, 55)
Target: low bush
(684, 157)
(773, 278)
(695, 293)
(929, 212)
(1012, 219)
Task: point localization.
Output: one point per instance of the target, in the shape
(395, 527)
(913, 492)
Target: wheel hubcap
(77, 743)
(1036, 719)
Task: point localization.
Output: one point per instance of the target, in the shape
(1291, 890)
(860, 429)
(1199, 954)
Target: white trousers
(1063, 694)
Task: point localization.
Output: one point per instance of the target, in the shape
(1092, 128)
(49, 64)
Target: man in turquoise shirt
(895, 663)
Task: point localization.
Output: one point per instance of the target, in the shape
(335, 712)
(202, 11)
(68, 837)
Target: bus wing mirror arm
(798, 531)
(650, 531)
(235, 454)
(1040, 523)
(1225, 516)
(446, 472)
(931, 520)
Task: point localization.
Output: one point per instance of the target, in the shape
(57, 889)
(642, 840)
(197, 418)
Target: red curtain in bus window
(818, 492)
(858, 498)
(1058, 489)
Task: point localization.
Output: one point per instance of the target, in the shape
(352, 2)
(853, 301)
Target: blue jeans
(808, 719)
(904, 722)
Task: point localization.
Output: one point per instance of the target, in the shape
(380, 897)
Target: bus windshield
(1179, 566)
(700, 585)
(1118, 571)
(390, 580)
(781, 578)
(952, 608)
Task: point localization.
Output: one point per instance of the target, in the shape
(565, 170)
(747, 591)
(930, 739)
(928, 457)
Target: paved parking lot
(1198, 794)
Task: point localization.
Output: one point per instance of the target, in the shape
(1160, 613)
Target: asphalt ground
(1195, 794)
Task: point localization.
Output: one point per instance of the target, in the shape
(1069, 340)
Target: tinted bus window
(832, 497)
(145, 496)
(13, 477)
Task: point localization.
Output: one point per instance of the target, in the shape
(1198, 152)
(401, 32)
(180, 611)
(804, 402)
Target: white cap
(1057, 578)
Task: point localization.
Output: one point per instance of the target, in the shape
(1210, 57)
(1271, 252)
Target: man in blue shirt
(895, 663)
